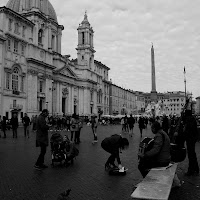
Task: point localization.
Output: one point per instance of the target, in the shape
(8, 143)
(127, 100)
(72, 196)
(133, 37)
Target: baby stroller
(58, 153)
(62, 149)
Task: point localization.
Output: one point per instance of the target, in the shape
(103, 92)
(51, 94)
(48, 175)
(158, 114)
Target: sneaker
(38, 167)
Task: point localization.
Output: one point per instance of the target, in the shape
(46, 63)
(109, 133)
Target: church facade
(34, 73)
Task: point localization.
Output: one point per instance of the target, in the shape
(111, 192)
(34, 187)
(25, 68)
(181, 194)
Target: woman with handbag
(74, 126)
(94, 127)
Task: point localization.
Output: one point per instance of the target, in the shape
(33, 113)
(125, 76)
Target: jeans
(26, 131)
(14, 132)
(193, 164)
(40, 159)
(145, 166)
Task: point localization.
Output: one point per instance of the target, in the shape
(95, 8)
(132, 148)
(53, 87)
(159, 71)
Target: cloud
(124, 31)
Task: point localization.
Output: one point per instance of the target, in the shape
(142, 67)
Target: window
(90, 39)
(7, 115)
(14, 103)
(10, 24)
(16, 46)
(9, 44)
(23, 31)
(17, 28)
(7, 81)
(83, 38)
(40, 104)
(40, 33)
(40, 86)
(23, 49)
(53, 42)
(22, 115)
(15, 79)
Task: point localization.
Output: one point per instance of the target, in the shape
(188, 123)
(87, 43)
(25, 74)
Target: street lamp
(184, 72)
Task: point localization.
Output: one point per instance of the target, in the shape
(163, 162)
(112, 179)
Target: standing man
(14, 122)
(190, 134)
(26, 122)
(42, 139)
(131, 122)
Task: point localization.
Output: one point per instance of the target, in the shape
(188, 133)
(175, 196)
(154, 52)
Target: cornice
(43, 16)
(15, 37)
(32, 60)
(2, 38)
(39, 74)
(16, 15)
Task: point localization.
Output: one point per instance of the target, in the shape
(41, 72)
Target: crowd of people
(173, 129)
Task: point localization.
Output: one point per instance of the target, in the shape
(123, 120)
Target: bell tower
(85, 48)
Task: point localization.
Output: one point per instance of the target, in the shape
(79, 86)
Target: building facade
(34, 73)
(198, 105)
(122, 101)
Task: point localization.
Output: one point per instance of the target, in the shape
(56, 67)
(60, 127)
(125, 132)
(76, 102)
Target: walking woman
(94, 127)
(74, 126)
(113, 145)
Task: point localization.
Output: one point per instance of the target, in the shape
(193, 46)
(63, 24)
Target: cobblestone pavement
(86, 177)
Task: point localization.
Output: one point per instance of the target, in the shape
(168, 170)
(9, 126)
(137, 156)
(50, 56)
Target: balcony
(16, 107)
(16, 92)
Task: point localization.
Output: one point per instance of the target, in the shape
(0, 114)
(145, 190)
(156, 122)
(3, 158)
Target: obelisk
(153, 77)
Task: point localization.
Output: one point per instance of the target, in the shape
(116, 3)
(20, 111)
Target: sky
(123, 35)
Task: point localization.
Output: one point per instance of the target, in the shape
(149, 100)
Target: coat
(160, 151)
(112, 145)
(14, 122)
(41, 131)
(74, 124)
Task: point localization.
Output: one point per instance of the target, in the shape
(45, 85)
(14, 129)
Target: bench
(157, 184)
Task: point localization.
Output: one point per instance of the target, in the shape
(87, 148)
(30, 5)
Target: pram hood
(56, 138)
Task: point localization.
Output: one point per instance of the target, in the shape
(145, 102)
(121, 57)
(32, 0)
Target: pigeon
(64, 195)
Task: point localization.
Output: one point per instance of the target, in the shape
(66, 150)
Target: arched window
(15, 79)
(40, 33)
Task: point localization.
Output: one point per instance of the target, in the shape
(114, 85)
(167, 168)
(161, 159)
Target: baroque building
(34, 73)
(122, 101)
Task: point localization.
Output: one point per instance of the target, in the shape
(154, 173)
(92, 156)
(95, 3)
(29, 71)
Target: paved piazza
(86, 178)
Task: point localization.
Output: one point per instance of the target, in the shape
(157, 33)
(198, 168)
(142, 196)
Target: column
(49, 37)
(60, 98)
(59, 42)
(86, 102)
(79, 38)
(1, 24)
(92, 40)
(72, 99)
(55, 43)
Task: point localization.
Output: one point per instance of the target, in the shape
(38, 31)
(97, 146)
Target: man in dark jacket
(26, 122)
(15, 124)
(113, 145)
(190, 133)
(131, 122)
(159, 154)
(42, 139)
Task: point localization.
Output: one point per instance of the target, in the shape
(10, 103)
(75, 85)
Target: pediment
(66, 71)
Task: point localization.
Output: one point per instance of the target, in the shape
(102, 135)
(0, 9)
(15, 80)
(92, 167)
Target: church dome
(44, 6)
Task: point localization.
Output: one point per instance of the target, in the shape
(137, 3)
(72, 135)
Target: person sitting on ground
(159, 154)
(113, 145)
